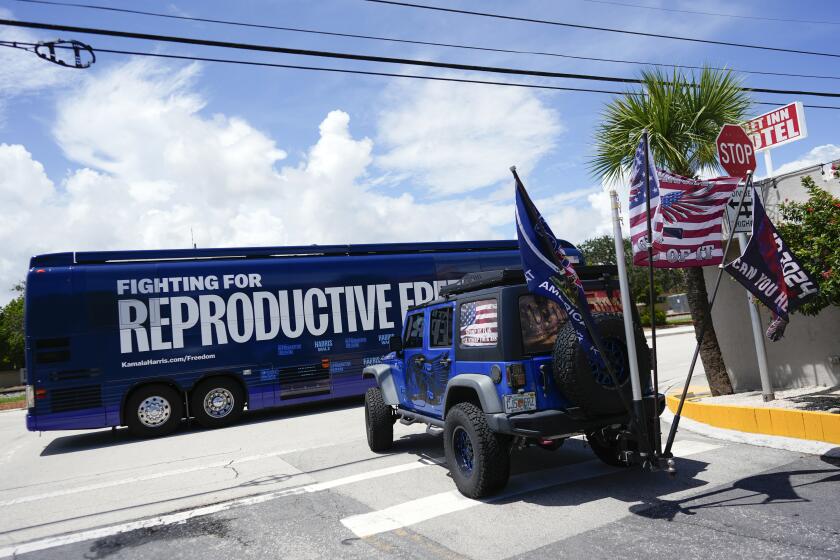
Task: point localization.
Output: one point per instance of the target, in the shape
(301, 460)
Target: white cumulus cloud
(150, 166)
(455, 138)
(821, 154)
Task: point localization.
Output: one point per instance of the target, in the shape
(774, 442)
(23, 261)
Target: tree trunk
(701, 314)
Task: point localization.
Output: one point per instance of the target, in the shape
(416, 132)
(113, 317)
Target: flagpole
(626, 306)
(657, 432)
(676, 421)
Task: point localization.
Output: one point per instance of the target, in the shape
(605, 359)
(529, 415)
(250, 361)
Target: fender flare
(482, 385)
(385, 379)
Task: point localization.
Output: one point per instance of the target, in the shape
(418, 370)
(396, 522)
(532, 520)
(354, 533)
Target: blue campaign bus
(146, 338)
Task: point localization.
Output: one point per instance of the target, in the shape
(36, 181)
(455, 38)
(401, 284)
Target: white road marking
(183, 516)
(153, 476)
(423, 509)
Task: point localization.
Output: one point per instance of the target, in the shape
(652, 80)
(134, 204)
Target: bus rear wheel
(217, 402)
(154, 410)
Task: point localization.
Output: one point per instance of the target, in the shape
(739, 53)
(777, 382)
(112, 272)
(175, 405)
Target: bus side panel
(291, 329)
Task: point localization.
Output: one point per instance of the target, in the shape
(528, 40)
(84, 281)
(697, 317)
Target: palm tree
(683, 115)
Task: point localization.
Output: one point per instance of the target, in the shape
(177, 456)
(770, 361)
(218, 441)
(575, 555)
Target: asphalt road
(303, 484)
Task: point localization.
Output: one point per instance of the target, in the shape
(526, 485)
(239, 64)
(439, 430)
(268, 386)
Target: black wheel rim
(463, 447)
(616, 353)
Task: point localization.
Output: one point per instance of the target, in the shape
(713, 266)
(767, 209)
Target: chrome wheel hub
(154, 411)
(218, 402)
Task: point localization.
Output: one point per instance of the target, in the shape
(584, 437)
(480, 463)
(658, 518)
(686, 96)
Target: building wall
(810, 351)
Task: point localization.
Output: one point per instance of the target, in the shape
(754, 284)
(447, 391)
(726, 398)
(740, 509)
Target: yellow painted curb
(801, 424)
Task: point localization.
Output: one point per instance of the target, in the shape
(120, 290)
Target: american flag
(687, 223)
(638, 206)
(478, 323)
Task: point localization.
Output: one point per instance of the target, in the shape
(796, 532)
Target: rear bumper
(560, 423)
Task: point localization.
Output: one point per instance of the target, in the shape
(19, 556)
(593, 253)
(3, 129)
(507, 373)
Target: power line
(18, 44)
(408, 41)
(716, 14)
(605, 29)
(366, 58)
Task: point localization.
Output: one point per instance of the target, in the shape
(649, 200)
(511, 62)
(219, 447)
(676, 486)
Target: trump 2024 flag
(769, 270)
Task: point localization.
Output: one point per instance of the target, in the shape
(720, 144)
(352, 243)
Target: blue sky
(135, 153)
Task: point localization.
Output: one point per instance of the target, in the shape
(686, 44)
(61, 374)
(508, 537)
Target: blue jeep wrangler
(494, 368)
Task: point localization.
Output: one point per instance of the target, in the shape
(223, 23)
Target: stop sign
(735, 150)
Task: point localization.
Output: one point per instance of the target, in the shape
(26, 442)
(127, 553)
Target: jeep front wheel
(478, 458)
(379, 421)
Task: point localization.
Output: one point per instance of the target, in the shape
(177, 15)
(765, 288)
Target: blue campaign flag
(547, 269)
(770, 271)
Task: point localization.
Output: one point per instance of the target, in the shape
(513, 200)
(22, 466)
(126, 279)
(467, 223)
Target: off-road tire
(379, 421)
(573, 374)
(152, 393)
(491, 458)
(606, 447)
(224, 385)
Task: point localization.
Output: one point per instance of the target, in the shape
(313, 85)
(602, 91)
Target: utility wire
(605, 29)
(18, 44)
(366, 58)
(408, 41)
(716, 14)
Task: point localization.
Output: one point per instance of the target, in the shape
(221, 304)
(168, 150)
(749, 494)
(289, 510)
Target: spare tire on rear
(588, 386)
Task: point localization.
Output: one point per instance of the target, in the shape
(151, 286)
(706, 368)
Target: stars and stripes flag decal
(478, 323)
(548, 270)
(687, 217)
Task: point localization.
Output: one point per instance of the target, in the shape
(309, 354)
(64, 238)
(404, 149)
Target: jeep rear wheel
(588, 384)
(477, 457)
(379, 421)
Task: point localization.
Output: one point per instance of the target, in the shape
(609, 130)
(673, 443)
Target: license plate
(520, 402)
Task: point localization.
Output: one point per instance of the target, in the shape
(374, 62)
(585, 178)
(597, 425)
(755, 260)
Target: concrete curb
(761, 440)
(797, 424)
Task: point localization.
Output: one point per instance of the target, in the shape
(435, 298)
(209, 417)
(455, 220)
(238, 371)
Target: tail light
(30, 396)
(515, 376)
(40, 393)
(325, 363)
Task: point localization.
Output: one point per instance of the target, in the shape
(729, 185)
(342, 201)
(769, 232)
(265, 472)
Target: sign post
(737, 156)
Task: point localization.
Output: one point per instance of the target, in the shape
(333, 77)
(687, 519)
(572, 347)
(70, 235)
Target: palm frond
(683, 115)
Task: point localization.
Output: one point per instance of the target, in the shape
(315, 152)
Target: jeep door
(413, 349)
(438, 354)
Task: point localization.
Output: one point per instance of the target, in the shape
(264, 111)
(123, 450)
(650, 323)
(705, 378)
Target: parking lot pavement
(302, 483)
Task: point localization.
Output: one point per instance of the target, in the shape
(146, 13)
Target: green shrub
(659, 315)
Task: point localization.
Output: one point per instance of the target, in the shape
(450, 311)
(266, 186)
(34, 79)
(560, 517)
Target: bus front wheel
(154, 410)
(217, 402)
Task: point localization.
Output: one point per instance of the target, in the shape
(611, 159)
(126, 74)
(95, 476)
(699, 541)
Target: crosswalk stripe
(423, 509)
(183, 516)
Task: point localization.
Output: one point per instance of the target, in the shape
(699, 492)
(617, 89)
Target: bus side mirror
(395, 344)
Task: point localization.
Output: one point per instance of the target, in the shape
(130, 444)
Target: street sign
(742, 222)
(778, 127)
(735, 150)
